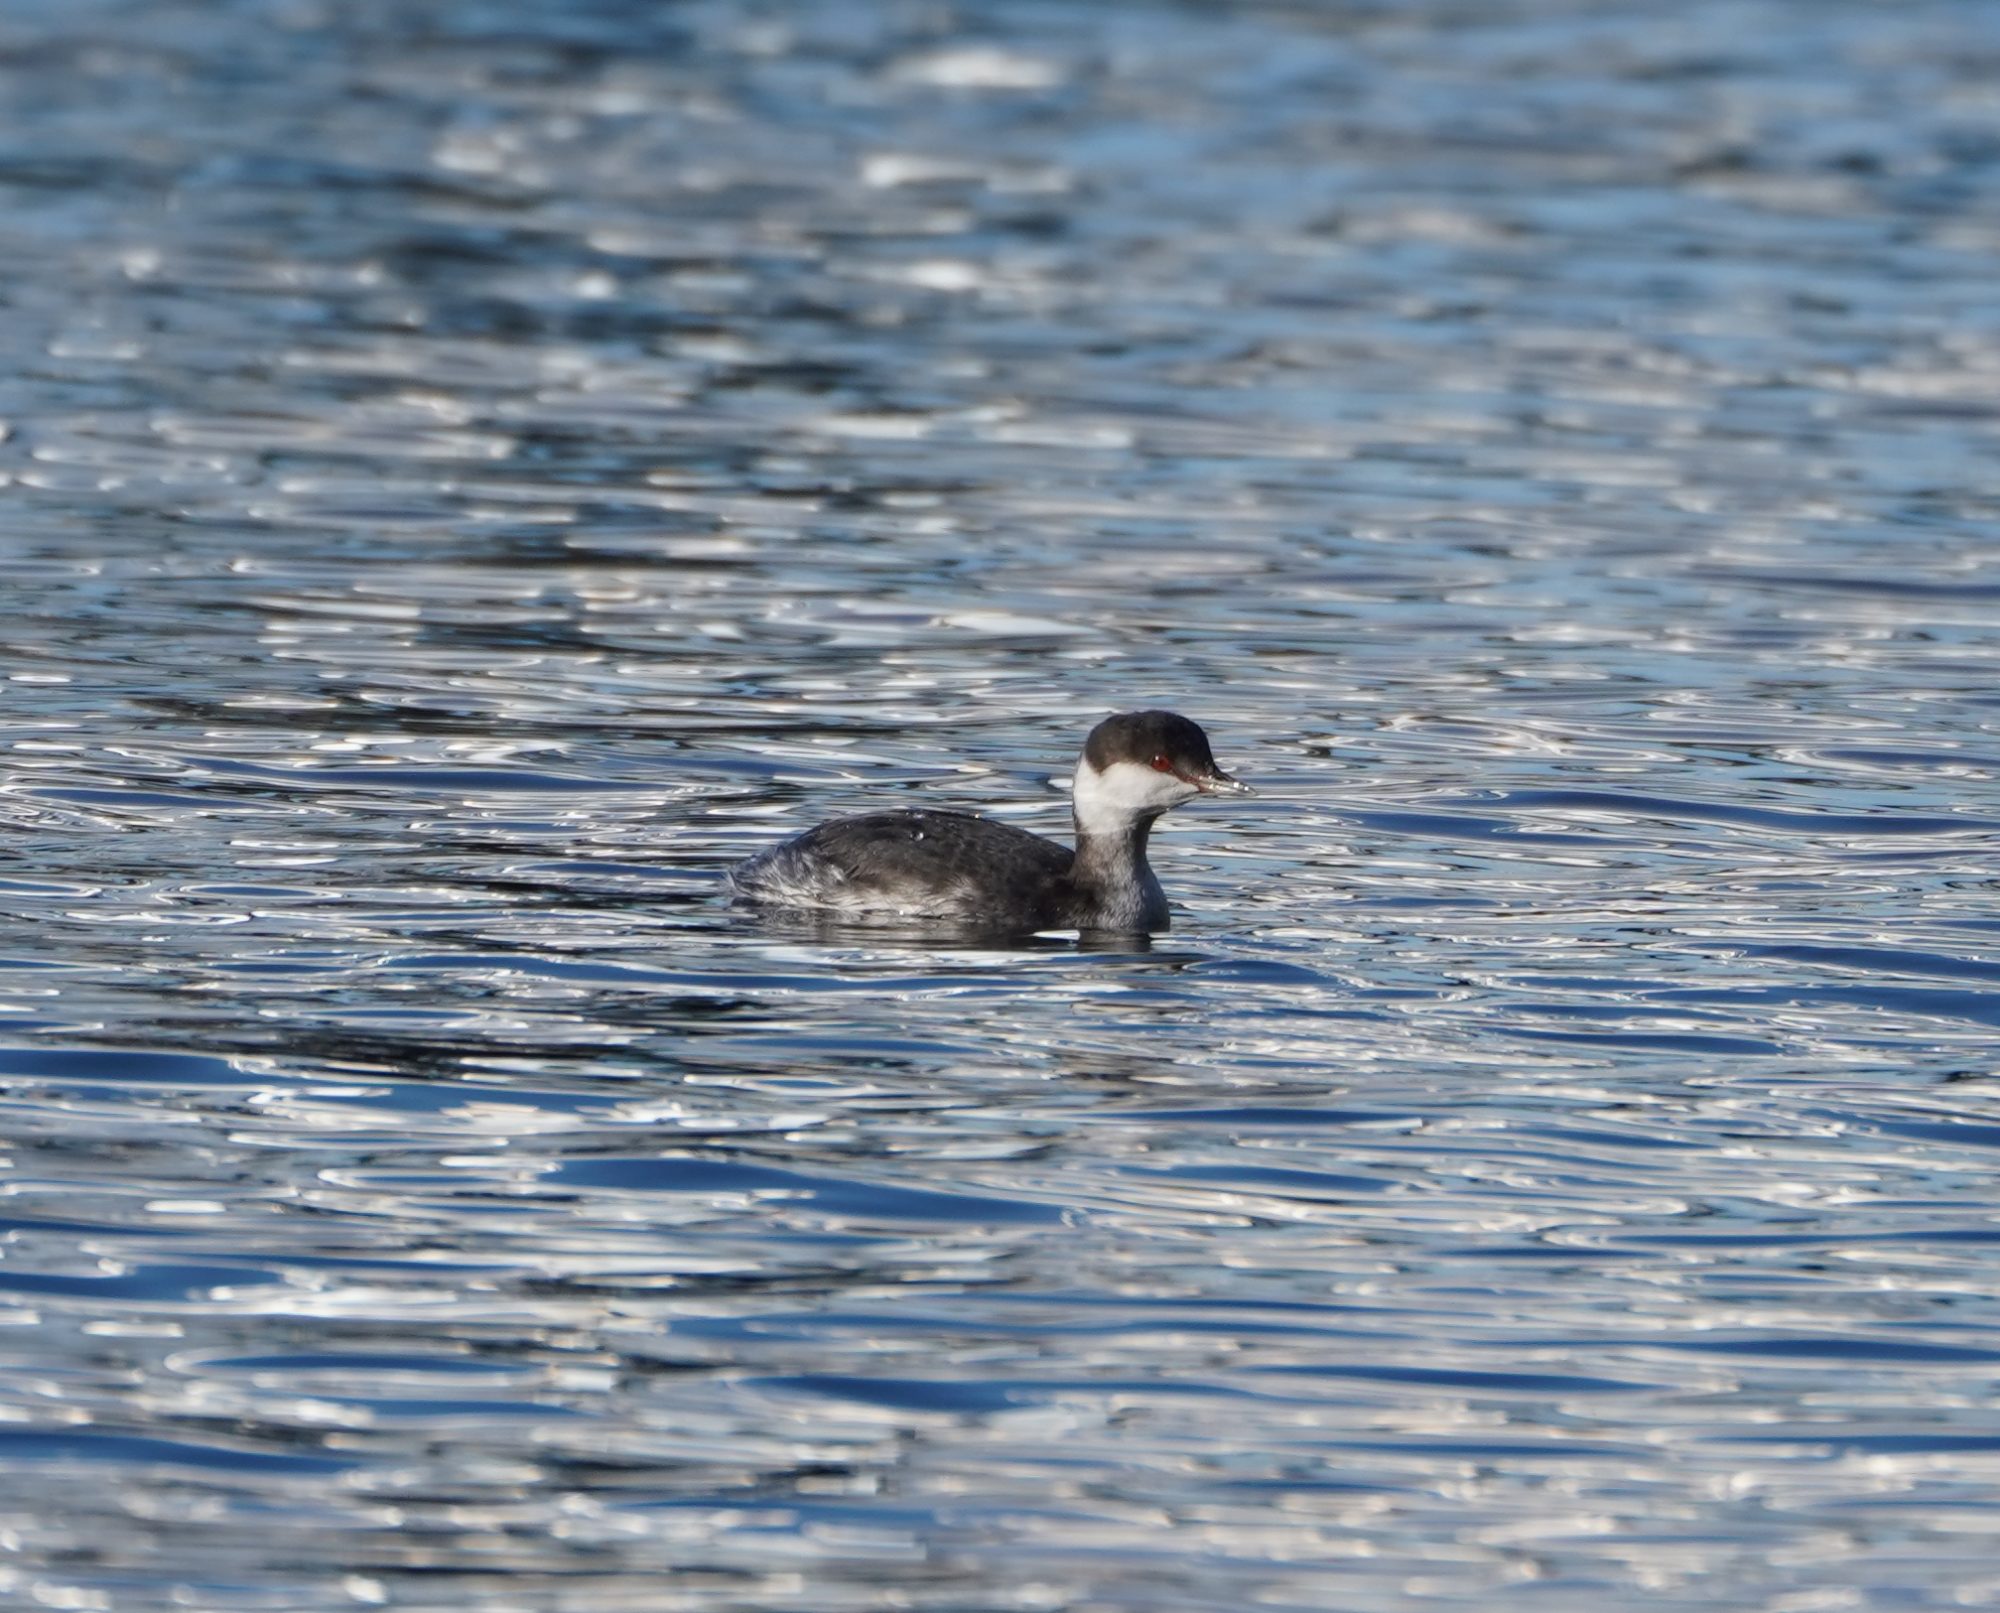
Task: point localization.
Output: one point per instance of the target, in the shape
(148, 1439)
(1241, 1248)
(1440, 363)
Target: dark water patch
(1821, 1237)
(98, 795)
(1952, 589)
(1979, 1008)
(1651, 1041)
(1902, 1001)
(1953, 1133)
(139, 1450)
(1268, 971)
(1882, 960)
(1469, 1380)
(161, 1283)
(1906, 1352)
(967, 1399)
(1556, 1253)
(102, 1064)
(27, 1223)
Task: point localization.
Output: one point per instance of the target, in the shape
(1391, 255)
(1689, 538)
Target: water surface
(476, 471)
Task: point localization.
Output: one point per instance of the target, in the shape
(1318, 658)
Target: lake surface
(476, 470)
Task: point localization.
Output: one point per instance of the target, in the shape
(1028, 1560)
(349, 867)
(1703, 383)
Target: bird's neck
(1111, 851)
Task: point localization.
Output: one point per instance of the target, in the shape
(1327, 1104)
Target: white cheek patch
(1109, 802)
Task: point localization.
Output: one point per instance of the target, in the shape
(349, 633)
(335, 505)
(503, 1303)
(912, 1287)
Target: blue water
(474, 471)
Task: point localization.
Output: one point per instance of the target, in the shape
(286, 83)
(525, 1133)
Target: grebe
(927, 864)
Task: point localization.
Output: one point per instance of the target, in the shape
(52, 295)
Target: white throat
(1113, 801)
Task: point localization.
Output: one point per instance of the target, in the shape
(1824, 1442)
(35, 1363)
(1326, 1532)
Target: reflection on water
(473, 474)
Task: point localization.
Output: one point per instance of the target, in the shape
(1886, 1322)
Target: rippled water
(476, 470)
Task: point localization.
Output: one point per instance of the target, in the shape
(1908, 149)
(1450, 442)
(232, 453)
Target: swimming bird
(937, 865)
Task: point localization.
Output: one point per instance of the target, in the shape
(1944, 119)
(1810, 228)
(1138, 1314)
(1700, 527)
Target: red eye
(1162, 765)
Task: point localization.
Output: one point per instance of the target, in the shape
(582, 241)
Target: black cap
(1164, 740)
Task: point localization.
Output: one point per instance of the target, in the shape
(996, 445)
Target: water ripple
(471, 479)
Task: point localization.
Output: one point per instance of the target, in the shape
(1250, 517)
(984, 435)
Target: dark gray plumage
(924, 864)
